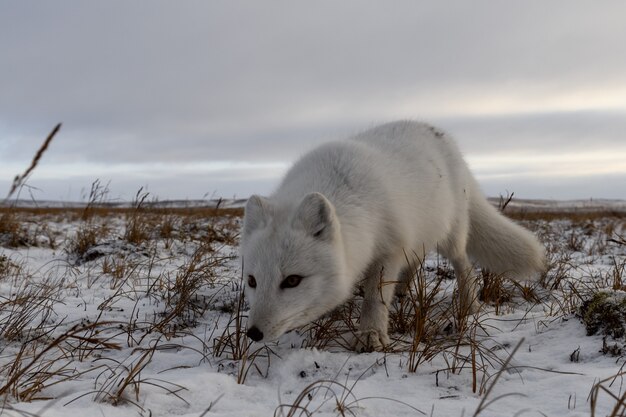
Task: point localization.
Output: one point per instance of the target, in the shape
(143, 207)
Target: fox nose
(255, 334)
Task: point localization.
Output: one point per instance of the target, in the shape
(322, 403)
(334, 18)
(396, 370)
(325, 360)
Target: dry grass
(120, 383)
(606, 388)
(44, 360)
(340, 395)
(20, 180)
(92, 230)
(47, 349)
(168, 265)
(138, 229)
(26, 313)
(110, 210)
(423, 314)
(8, 268)
(12, 234)
(170, 262)
(234, 345)
(183, 304)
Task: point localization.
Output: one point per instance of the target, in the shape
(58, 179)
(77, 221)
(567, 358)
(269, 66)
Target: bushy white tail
(500, 245)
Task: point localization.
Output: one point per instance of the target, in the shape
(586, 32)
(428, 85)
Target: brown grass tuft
(12, 233)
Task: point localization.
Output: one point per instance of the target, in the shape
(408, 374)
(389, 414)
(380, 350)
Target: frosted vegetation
(139, 311)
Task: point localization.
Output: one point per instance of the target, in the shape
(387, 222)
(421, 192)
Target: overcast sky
(196, 98)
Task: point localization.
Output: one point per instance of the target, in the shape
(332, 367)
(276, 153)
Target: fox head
(293, 262)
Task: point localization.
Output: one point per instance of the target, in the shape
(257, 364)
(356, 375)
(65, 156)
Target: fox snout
(255, 334)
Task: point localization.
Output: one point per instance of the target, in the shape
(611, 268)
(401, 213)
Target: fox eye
(251, 281)
(291, 281)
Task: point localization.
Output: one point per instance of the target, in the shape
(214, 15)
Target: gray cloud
(194, 81)
(583, 187)
(549, 132)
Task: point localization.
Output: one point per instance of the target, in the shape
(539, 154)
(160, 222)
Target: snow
(183, 376)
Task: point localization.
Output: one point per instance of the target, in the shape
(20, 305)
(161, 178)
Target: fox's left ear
(316, 215)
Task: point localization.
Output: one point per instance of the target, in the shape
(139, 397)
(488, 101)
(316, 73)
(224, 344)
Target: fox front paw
(370, 340)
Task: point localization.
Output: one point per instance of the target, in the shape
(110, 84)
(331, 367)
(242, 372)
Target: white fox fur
(356, 210)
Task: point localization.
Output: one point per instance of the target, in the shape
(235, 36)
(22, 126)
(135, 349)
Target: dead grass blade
(20, 180)
(504, 201)
(121, 377)
(234, 345)
(331, 390)
(40, 363)
(604, 386)
(484, 402)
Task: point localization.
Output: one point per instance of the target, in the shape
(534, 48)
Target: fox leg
(455, 249)
(410, 268)
(379, 287)
(404, 282)
(468, 286)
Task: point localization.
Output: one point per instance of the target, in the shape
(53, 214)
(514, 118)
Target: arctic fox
(358, 210)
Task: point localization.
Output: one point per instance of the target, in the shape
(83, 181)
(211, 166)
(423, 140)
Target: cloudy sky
(197, 98)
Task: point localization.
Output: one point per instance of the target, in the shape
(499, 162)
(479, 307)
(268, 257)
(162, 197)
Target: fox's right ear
(256, 214)
(316, 215)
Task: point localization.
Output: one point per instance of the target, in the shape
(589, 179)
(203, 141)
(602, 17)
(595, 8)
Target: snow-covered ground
(147, 324)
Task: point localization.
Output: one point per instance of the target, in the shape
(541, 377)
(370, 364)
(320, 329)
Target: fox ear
(316, 215)
(257, 214)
